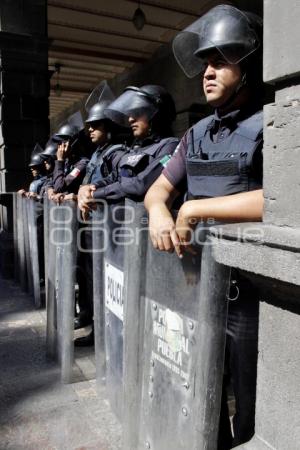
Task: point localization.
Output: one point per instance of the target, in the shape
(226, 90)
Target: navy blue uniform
(68, 175)
(223, 156)
(136, 170)
(37, 183)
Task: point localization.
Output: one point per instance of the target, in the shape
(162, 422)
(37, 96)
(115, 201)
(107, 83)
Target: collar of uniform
(229, 119)
(149, 140)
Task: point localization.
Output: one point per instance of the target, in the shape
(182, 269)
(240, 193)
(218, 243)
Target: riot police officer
(70, 164)
(37, 169)
(49, 156)
(104, 134)
(109, 140)
(149, 111)
(221, 159)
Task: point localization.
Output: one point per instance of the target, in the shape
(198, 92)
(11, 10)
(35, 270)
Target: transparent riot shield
(15, 222)
(51, 237)
(113, 272)
(34, 250)
(99, 217)
(25, 213)
(61, 270)
(65, 277)
(22, 276)
(124, 224)
(174, 340)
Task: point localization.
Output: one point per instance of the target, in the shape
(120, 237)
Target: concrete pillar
(24, 82)
(270, 252)
(24, 87)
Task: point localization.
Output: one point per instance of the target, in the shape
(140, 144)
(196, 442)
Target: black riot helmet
(235, 34)
(98, 101)
(151, 100)
(70, 129)
(36, 158)
(50, 150)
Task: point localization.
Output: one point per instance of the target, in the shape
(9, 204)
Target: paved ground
(38, 412)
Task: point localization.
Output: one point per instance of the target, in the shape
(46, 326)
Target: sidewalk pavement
(37, 411)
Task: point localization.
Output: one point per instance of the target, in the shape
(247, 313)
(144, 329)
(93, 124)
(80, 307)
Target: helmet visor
(225, 29)
(132, 103)
(101, 93)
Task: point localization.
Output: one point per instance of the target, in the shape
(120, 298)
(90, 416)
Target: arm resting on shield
(126, 186)
(136, 185)
(66, 183)
(158, 202)
(242, 207)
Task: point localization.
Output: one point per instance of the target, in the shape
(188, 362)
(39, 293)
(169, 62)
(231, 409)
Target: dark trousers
(241, 366)
(85, 275)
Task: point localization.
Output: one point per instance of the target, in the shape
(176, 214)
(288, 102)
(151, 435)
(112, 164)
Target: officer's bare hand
(62, 151)
(50, 193)
(85, 197)
(162, 230)
(58, 198)
(31, 195)
(184, 229)
(21, 192)
(72, 197)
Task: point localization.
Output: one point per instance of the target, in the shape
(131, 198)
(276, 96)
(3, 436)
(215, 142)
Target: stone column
(24, 87)
(269, 253)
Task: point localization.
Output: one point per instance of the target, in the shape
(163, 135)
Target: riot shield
(113, 272)
(15, 222)
(21, 244)
(65, 277)
(46, 207)
(34, 252)
(123, 224)
(25, 214)
(99, 216)
(51, 237)
(174, 334)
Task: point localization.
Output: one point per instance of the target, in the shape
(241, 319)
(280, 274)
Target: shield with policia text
(174, 335)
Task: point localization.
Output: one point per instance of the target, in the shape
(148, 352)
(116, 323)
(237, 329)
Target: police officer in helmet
(38, 172)
(149, 111)
(103, 133)
(221, 159)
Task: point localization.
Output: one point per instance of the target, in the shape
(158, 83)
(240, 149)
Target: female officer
(221, 158)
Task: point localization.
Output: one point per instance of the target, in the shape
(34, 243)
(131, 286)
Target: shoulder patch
(75, 172)
(164, 161)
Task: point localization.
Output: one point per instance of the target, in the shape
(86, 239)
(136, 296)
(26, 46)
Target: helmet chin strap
(233, 96)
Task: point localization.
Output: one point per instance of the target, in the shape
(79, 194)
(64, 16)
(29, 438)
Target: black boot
(85, 341)
(83, 320)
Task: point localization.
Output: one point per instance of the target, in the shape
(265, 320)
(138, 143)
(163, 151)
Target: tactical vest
(225, 167)
(97, 168)
(36, 184)
(141, 156)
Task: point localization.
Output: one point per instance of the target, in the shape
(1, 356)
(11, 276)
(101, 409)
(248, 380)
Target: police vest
(222, 168)
(98, 167)
(36, 184)
(137, 158)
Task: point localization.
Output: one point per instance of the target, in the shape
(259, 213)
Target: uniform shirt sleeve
(137, 186)
(68, 182)
(175, 171)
